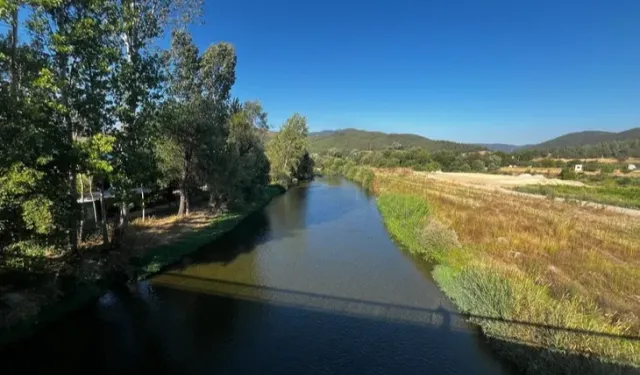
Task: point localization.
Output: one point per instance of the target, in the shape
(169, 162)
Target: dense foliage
(91, 110)
(287, 151)
(416, 158)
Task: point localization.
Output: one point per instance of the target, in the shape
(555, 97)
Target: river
(311, 284)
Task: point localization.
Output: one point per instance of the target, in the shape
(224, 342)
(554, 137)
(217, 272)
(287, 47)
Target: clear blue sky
(472, 71)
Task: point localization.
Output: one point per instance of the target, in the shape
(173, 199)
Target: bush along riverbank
(519, 270)
(149, 247)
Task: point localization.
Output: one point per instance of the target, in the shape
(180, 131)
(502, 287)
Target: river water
(312, 284)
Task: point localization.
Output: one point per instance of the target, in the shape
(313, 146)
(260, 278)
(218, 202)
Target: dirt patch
(497, 180)
(164, 229)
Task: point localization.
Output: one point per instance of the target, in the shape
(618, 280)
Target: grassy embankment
(553, 286)
(148, 247)
(615, 195)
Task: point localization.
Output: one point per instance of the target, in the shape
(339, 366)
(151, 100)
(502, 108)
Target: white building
(578, 168)
(631, 167)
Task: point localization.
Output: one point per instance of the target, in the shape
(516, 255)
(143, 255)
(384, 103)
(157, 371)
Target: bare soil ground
(483, 179)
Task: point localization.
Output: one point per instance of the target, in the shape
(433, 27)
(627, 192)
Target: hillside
(587, 138)
(349, 139)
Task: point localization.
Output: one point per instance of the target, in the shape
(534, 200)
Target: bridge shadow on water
(440, 322)
(181, 324)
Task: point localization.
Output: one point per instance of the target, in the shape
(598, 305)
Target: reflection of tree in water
(243, 239)
(288, 212)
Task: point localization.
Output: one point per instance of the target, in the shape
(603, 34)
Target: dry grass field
(532, 170)
(552, 264)
(496, 180)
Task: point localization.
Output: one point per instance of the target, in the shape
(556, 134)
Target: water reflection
(311, 284)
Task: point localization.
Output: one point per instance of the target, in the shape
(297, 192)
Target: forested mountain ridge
(579, 144)
(587, 138)
(349, 139)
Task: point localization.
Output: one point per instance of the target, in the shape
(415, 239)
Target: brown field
(521, 170)
(485, 179)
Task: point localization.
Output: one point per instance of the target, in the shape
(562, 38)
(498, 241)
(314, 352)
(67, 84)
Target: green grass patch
(533, 330)
(408, 220)
(612, 194)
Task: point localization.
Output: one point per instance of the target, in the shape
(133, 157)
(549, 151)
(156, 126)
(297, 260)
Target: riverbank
(149, 247)
(552, 285)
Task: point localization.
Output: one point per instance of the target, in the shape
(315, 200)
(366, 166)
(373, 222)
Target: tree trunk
(81, 229)
(142, 194)
(93, 202)
(186, 201)
(73, 219)
(103, 225)
(124, 217)
(183, 209)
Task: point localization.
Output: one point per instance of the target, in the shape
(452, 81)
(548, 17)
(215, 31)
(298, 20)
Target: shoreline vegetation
(150, 249)
(95, 121)
(553, 286)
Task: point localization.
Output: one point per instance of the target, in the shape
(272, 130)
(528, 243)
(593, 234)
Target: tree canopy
(91, 110)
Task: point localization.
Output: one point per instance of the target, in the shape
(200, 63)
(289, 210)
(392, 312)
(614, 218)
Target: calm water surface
(311, 284)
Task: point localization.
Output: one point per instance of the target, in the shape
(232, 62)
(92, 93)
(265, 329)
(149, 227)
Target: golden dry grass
(163, 230)
(539, 276)
(533, 170)
(575, 250)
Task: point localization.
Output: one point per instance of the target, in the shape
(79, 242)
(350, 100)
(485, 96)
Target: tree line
(90, 105)
(418, 159)
(614, 149)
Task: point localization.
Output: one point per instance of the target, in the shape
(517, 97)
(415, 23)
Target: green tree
(247, 166)
(287, 148)
(139, 24)
(196, 113)
(478, 165)
(77, 41)
(494, 162)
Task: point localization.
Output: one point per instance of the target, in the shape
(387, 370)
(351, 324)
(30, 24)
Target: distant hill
(349, 139)
(500, 147)
(587, 138)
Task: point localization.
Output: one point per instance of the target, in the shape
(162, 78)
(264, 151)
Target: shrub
(438, 238)
(568, 174)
